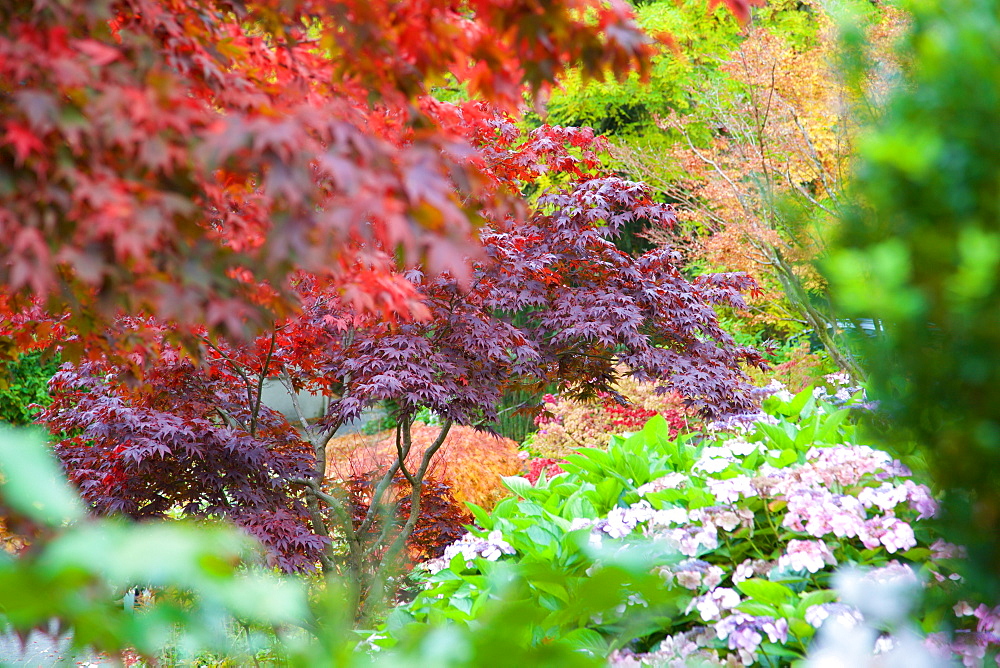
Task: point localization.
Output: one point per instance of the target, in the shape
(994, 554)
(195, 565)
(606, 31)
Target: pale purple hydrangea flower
(727, 518)
(669, 481)
(744, 633)
(470, 547)
(752, 568)
(693, 574)
(848, 464)
(843, 614)
(741, 448)
(677, 651)
(838, 378)
(691, 541)
(621, 521)
(714, 459)
(731, 490)
(921, 500)
(668, 517)
(743, 572)
(893, 573)
(742, 422)
(778, 389)
(886, 497)
(819, 513)
(895, 534)
(711, 605)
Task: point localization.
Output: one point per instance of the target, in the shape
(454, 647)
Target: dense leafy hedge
(24, 382)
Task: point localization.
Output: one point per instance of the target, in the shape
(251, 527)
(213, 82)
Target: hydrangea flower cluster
(681, 650)
(970, 645)
(760, 522)
(470, 547)
(831, 502)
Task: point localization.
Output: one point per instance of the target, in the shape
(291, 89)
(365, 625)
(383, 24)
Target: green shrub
(24, 382)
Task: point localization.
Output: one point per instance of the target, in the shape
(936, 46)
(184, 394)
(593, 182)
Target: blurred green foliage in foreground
(921, 254)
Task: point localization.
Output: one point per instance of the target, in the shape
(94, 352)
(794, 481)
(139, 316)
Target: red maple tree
(178, 176)
(170, 157)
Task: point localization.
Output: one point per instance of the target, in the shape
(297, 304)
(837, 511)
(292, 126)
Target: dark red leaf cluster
(180, 444)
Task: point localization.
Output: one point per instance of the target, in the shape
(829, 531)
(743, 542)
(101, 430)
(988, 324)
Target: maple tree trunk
(369, 606)
(366, 566)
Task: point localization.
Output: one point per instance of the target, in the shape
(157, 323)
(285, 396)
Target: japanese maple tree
(166, 157)
(550, 300)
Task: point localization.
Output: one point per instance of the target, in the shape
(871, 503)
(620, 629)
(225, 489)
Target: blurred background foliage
(24, 383)
(920, 253)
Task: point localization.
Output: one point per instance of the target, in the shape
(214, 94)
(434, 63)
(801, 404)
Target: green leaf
(584, 463)
(588, 640)
(33, 482)
(520, 486)
(554, 588)
(815, 598)
(798, 402)
(483, 518)
(758, 609)
(765, 591)
(801, 628)
(917, 554)
(786, 457)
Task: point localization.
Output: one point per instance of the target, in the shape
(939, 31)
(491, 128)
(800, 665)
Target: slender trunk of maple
(389, 561)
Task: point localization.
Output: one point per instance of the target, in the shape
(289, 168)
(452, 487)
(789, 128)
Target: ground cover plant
(743, 529)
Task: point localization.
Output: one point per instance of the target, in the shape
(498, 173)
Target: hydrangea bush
(743, 529)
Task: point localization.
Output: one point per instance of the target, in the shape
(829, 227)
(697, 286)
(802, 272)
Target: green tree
(921, 255)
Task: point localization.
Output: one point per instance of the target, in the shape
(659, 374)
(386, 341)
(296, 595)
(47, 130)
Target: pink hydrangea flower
(731, 490)
(807, 555)
(895, 534)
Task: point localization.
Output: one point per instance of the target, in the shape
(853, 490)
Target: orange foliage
(784, 135)
(470, 462)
